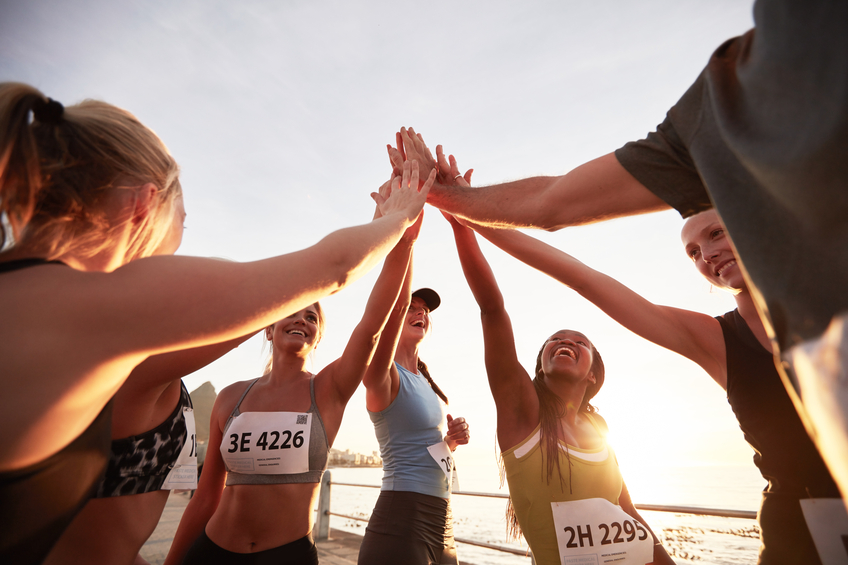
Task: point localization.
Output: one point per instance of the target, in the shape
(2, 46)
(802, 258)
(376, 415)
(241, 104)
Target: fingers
(396, 159)
(407, 173)
(405, 195)
(400, 147)
(414, 180)
(429, 182)
(415, 148)
(454, 168)
(458, 430)
(440, 159)
(386, 188)
(456, 425)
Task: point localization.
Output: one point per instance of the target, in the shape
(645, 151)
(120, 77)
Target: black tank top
(784, 453)
(37, 503)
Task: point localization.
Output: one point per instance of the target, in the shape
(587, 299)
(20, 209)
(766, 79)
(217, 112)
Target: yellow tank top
(594, 474)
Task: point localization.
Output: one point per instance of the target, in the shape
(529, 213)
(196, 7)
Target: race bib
(597, 532)
(827, 521)
(183, 475)
(268, 443)
(443, 457)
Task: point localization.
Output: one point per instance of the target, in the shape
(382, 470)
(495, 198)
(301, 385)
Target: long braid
(422, 368)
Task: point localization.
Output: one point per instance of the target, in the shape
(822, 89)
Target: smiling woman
(275, 432)
(88, 196)
(546, 425)
(734, 350)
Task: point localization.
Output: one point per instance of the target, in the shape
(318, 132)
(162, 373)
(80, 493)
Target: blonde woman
(88, 195)
(270, 437)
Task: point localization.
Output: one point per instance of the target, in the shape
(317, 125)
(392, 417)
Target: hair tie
(49, 112)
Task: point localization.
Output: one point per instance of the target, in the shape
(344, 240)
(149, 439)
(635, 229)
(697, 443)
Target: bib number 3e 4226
(597, 532)
(268, 443)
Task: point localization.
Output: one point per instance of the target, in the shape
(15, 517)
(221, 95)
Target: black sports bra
(37, 503)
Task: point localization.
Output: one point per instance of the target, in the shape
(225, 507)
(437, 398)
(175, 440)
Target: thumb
(450, 418)
(378, 198)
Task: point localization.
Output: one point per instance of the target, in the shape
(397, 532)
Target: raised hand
(396, 155)
(416, 150)
(449, 172)
(458, 432)
(384, 191)
(405, 196)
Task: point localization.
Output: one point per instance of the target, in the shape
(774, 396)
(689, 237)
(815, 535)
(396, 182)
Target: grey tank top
(319, 449)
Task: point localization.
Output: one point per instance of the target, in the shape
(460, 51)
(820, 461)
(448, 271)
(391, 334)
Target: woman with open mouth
(411, 522)
(735, 351)
(567, 495)
(271, 436)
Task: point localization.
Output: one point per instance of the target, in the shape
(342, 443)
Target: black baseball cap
(429, 296)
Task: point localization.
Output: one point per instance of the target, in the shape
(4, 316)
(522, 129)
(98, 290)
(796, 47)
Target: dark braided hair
(422, 368)
(551, 409)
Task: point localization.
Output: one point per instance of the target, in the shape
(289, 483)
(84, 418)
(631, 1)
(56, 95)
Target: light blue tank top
(411, 423)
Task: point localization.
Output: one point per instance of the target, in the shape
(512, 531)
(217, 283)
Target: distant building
(347, 458)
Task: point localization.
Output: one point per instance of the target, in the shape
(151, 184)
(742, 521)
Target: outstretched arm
(381, 378)
(694, 335)
(598, 190)
(166, 367)
(515, 397)
(347, 372)
(691, 334)
(163, 304)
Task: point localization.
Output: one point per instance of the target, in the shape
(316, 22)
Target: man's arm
(598, 190)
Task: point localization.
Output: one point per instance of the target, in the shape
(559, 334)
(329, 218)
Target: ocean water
(689, 539)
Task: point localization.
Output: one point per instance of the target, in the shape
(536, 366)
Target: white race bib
(827, 521)
(443, 457)
(597, 532)
(183, 475)
(268, 443)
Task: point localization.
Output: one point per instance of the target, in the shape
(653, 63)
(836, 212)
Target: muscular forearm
(598, 190)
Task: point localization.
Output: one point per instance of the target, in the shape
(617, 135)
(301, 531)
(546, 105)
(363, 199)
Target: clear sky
(279, 113)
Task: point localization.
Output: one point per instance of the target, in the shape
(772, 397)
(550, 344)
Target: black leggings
(409, 528)
(204, 551)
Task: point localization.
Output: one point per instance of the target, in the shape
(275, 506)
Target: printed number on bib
(443, 457)
(268, 443)
(597, 532)
(183, 476)
(828, 524)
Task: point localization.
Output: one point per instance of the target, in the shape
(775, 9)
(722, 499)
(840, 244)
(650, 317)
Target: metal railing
(322, 527)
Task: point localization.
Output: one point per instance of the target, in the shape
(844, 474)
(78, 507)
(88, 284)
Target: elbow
(402, 304)
(342, 268)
